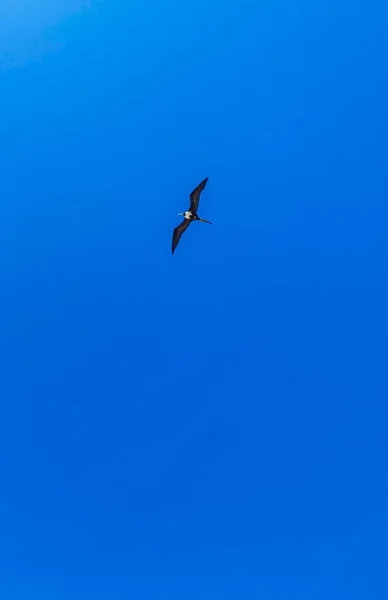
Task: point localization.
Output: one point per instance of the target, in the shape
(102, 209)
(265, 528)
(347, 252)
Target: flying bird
(190, 215)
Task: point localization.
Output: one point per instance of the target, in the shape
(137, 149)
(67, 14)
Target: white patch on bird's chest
(188, 214)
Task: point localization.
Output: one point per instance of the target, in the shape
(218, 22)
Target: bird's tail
(204, 221)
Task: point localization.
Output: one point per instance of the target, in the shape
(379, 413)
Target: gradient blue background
(209, 425)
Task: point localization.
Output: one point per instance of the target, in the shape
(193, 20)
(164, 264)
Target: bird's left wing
(176, 236)
(195, 194)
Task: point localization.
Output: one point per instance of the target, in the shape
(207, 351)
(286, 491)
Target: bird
(190, 215)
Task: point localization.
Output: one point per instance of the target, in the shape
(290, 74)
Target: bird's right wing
(176, 236)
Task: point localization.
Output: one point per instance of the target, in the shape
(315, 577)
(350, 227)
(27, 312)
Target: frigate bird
(190, 215)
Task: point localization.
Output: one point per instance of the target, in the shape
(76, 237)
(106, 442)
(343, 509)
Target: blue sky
(209, 425)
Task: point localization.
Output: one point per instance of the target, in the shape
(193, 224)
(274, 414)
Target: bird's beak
(204, 221)
(180, 214)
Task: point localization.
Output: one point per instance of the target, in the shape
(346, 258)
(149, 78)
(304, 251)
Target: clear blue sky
(209, 425)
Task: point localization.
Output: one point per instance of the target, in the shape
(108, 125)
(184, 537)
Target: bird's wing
(176, 236)
(195, 194)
